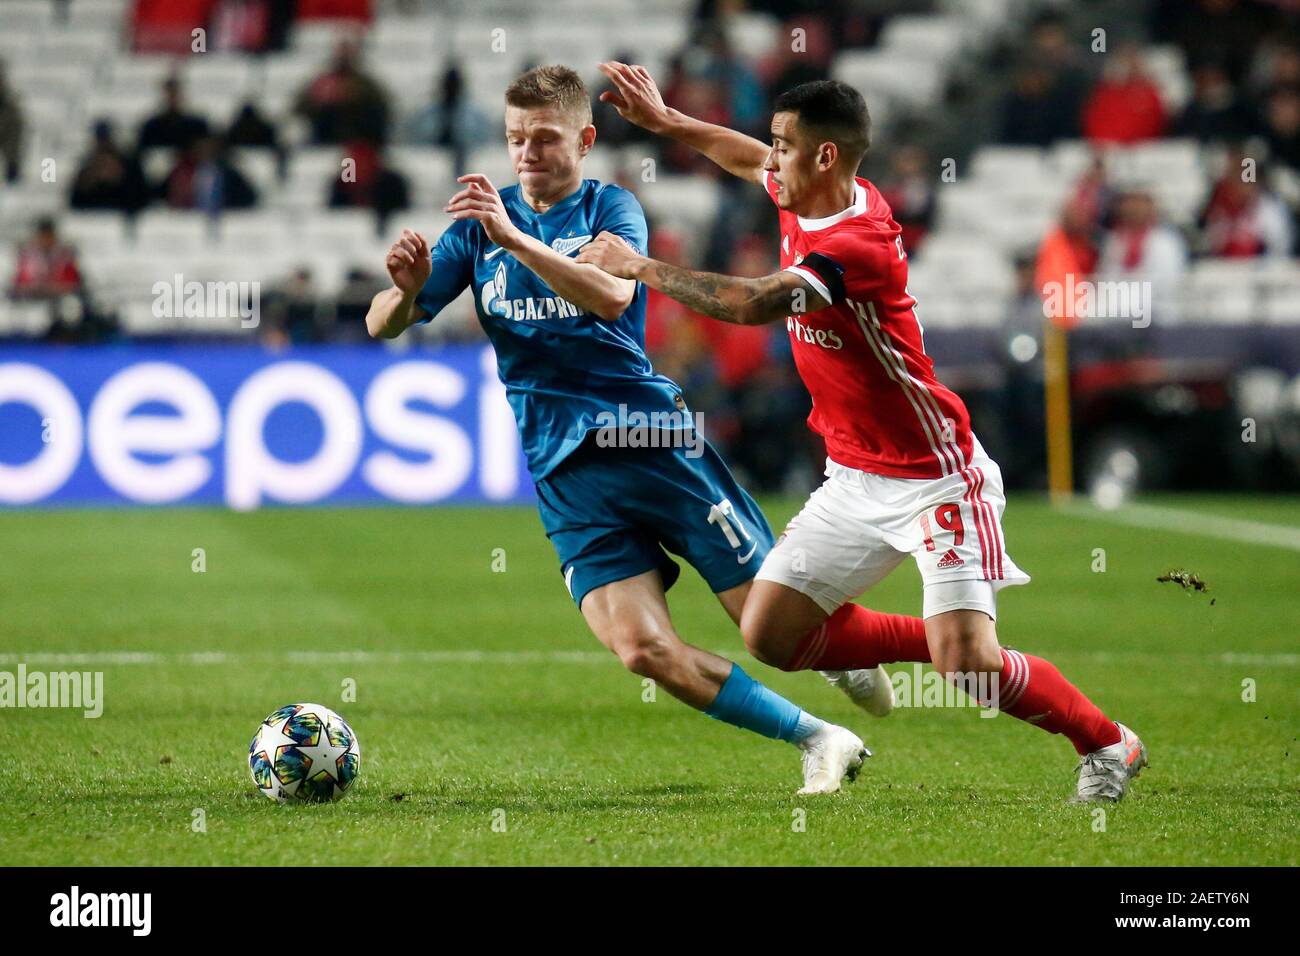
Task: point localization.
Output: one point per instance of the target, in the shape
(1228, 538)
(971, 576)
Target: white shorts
(857, 527)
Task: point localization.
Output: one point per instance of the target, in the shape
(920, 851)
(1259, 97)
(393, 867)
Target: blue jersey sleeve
(618, 211)
(453, 268)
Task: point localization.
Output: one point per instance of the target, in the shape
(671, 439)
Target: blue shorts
(611, 514)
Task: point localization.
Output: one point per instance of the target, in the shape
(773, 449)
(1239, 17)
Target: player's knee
(646, 653)
(765, 639)
(965, 650)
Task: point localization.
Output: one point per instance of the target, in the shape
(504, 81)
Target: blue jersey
(562, 367)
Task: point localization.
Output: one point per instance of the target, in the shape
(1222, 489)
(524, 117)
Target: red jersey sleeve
(850, 263)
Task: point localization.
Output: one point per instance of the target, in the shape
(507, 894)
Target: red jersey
(875, 398)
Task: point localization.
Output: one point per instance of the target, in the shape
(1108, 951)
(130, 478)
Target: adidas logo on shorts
(950, 559)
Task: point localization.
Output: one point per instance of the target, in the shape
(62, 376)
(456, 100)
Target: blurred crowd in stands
(1242, 56)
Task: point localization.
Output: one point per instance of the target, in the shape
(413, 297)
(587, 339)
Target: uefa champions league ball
(304, 752)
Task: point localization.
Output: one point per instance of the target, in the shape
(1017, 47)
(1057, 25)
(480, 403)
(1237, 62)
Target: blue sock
(744, 702)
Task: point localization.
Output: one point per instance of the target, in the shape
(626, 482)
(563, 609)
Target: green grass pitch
(481, 699)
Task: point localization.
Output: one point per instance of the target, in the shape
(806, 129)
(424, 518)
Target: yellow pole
(1056, 382)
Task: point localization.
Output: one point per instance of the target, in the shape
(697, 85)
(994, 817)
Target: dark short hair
(831, 111)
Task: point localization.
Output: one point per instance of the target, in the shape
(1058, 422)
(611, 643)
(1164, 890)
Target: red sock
(1033, 690)
(855, 638)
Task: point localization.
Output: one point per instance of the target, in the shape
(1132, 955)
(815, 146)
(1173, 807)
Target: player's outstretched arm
(637, 99)
(393, 311)
(734, 299)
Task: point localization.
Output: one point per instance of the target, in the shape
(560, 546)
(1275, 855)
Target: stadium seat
(258, 231)
(20, 207)
(90, 47)
(1006, 166)
(283, 78)
(984, 17)
(428, 171)
(312, 172)
(30, 16)
(127, 112)
(1222, 291)
(1282, 304)
(107, 17)
(1069, 159)
(965, 205)
(95, 230)
(119, 274)
(23, 319)
(173, 231)
(52, 77)
(337, 230)
(755, 32)
(494, 162)
(410, 86)
(259, 166)
(929, 36)
(1167, 67)
(234, 75)
(140, 76)
(318, 39)
(901, 77)
(156, 162)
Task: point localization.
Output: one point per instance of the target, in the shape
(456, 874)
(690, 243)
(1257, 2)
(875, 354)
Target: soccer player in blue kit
(569, 341)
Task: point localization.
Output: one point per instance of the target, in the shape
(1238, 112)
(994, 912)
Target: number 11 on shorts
(724, 516)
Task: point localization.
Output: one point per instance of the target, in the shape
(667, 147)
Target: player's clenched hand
(408, 262)
(610, 253)
(635, 95)
(480, 200)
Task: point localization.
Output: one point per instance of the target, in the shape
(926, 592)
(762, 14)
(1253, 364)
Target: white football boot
(870, 689)
(1105, 774)
(830, 755)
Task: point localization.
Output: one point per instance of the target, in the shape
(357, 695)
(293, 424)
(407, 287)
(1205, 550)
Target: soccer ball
(304, 752)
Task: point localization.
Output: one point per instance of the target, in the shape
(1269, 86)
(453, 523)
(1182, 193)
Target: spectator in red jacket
(46, 268)
(241, 25)
(370, 183)
(344, 102)
(909, 190)
(1243, 219)
(1125, 105)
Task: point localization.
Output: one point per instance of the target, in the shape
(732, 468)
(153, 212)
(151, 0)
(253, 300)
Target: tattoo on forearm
(701, 291)
(728, 298)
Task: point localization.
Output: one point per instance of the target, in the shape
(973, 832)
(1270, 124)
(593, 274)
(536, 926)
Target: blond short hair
(556, 86)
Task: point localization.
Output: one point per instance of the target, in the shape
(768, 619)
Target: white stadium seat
(428, 171)
(73, 46)
(493, 162)
(754, 34)
(258, 231)
(234, 75)
(173, 231)
(1222, 291)
(259, 166)
(95, 230)
(897, 76)
(31, 16)
(1166, 66)
(337, 230)
(935, 37)
(1005, 166)
(108, 17)
(23, 318)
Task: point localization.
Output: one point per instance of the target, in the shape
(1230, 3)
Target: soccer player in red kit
(904, 472)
